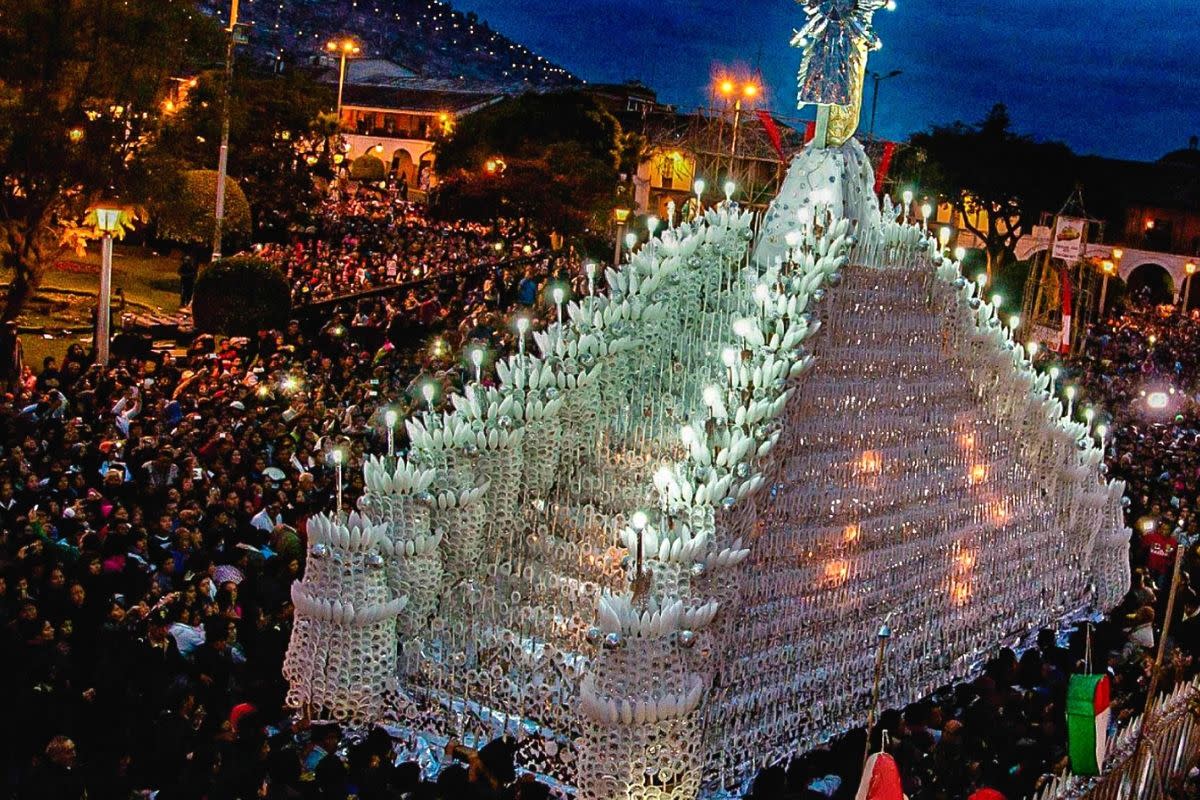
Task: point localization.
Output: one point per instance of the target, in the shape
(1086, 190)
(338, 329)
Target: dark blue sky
(1114, 77)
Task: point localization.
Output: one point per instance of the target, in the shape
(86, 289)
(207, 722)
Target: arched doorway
(1150, 283)
(402, 164)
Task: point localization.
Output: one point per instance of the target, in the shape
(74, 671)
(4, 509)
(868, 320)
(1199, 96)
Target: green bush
(240, 296)
(187, 214)
(367, 168)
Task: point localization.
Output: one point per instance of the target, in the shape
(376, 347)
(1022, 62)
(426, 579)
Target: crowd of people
(152, 518)
(366, 238)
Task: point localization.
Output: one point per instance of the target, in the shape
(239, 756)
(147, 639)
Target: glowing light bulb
(638, 521)
(730, 188)
(390, 417)
(688, 435)
(712, 396)
(762, 293)
(729, 356)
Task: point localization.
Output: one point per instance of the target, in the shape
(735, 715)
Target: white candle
(390, 417)
(337, 468)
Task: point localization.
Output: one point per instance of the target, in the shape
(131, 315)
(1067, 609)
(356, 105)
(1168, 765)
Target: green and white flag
(1087, 722)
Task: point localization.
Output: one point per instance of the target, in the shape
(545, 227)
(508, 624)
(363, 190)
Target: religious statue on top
(836, 39)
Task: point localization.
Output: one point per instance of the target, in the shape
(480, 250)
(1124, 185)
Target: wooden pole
(1156, 673)
(885, 633)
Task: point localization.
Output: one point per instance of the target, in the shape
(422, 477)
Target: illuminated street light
(108, 221)
(621, 215)
(1108, 268)
(345, 48)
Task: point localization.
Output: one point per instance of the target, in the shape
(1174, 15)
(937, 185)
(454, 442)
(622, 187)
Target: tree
(988, 168)
(367, 168)
(185, 213)
(240, 296)
(280, 140)
(554, 158)
(80, 101)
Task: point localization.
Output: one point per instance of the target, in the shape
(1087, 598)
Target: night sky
(1113, 77)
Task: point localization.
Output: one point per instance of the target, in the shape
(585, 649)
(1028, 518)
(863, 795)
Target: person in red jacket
(1160, 554)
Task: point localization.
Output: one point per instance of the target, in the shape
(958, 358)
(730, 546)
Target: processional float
(658, 551)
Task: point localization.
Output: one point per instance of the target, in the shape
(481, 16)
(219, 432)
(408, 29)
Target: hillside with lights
(429, 37)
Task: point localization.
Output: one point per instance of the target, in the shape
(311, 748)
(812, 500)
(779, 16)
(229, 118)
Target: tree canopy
(552, 157)
(81, 90)
(988, 167)
(275, 132)
(185, 214)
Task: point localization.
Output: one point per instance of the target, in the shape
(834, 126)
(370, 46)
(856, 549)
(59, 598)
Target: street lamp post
(1108, 267)
(878, 79)
(728, 89)
(1189, 270)
(223, 154)
(108, 217)
(622, 216)
(345, 48)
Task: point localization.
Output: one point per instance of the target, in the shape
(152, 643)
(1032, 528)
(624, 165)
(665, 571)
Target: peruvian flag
(1087, 722)
(880, 779)
(1064, 290)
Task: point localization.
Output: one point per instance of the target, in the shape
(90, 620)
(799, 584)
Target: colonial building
(393, 114)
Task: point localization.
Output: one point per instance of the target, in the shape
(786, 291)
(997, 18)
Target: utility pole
(223, 157)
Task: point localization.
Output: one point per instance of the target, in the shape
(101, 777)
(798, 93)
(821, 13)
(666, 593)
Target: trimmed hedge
(240, 296)
(188, 217)
(367, 168)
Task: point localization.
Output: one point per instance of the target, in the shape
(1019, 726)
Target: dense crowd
(367, 239)
(152, 519)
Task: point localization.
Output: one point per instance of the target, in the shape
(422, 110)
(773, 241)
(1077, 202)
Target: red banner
(772, 131)
(885, 165)
(1064, 291)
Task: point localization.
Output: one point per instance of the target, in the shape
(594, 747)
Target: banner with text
(1068, 239)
